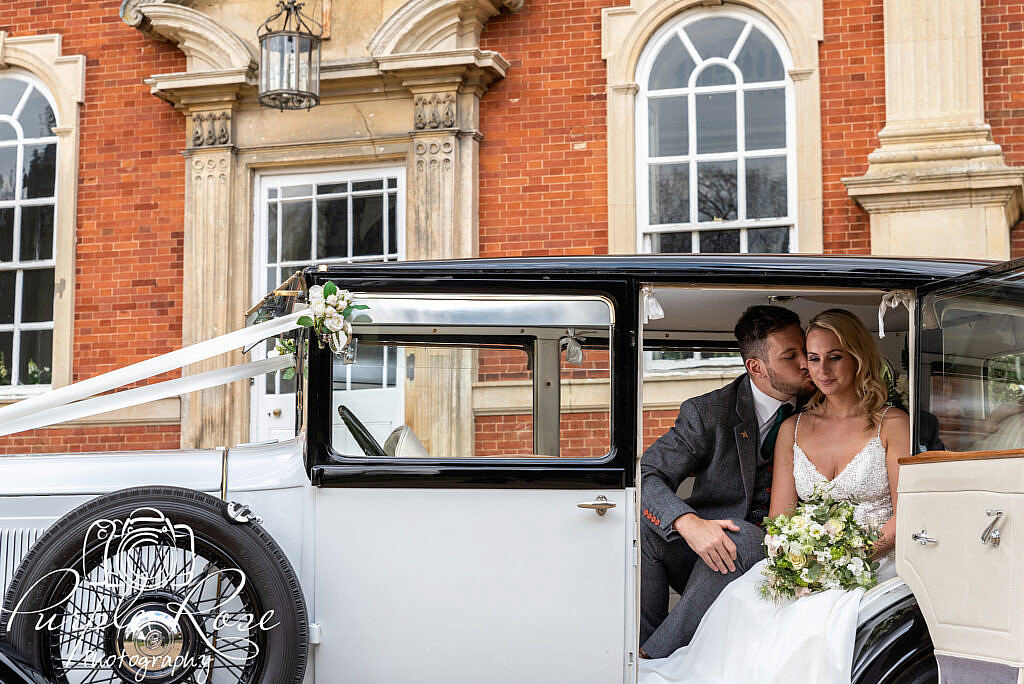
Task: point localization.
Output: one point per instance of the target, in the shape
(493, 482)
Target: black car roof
(834, 270)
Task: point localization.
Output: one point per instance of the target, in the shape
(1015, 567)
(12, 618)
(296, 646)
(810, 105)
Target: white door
(479, 555)
(350, 216)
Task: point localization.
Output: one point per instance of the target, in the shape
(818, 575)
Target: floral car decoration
(332, 310)
(820, 546)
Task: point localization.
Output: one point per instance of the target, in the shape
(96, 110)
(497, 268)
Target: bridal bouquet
(820, 546)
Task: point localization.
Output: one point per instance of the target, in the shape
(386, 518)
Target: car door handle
(991, 534)
(601, 504)
(923, 539)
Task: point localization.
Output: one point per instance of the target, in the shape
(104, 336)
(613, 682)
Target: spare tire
(158, 585)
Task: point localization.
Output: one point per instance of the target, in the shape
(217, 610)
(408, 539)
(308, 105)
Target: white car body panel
(501, 586)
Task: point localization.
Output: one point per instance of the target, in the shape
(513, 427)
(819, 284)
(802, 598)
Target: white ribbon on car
(76, 392)
(891, 300)
(652, 307)
(141, 395)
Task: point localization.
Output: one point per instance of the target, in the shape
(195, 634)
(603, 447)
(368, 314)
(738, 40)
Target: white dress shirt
(765, 407)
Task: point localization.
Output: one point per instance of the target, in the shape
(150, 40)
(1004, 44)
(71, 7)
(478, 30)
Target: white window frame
(262, 185)
(674, 28)
(14, 363)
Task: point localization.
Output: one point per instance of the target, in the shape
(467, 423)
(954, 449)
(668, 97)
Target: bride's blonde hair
(856, 340)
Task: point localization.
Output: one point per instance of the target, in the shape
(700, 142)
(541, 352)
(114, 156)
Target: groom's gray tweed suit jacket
(715, 439)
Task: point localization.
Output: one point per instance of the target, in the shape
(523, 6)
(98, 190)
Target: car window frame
(328, 468)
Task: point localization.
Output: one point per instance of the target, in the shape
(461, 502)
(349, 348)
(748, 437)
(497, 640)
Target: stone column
(216, 277)
(937, 185)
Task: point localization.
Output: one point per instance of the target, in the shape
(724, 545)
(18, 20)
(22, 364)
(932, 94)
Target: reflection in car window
(474, 398)
(972, 384)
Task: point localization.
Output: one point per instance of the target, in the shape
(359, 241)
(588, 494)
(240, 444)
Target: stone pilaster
(937, 185)
(443, 224)
(216, 276)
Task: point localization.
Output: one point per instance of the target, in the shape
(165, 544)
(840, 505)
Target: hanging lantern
(290, 59)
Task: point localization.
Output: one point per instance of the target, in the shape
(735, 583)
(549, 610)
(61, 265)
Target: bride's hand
(708, 540)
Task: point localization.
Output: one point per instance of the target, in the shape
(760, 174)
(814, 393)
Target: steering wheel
(362, 436)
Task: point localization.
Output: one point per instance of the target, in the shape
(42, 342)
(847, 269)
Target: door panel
(971, 594)
(450, 586)
(968, 408)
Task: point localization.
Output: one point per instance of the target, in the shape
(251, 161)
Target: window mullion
(348, 227)
(691, 123)
(21, 105)
(740, 42)
(384, 199)
(312, 227)
(741, 148)
(15, 367)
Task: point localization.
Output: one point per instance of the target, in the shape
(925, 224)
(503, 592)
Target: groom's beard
(799, 390)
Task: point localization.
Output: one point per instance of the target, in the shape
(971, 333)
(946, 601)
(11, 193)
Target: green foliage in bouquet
(332, 309)
(820, 546)
(284, 345)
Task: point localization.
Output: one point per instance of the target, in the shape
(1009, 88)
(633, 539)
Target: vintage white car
(460, 502)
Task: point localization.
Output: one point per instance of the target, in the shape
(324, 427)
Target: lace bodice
(864, 479)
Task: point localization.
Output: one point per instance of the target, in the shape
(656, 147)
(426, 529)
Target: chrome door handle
(991, 534)
(600, 504)
(923, 539)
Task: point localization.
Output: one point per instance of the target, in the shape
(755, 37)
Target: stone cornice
(432, 25)
(188, 90)
(908, 192)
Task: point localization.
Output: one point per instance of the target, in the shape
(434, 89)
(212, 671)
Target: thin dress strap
(796, 428)
(878, 435)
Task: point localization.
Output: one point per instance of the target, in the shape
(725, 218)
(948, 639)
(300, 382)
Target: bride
(846, 437)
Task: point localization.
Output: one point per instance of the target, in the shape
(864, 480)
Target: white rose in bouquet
(316, 292)
(332, 300)
(334, 323)
(318, 307)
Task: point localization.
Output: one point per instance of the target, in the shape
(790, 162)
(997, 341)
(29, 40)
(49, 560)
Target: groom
(725, 440)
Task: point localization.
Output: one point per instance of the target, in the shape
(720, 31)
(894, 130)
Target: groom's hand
(709, 541)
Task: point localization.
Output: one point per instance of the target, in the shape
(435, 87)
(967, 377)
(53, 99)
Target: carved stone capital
(210, 128)
(434, 111)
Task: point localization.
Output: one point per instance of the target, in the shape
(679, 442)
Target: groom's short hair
(756, 324)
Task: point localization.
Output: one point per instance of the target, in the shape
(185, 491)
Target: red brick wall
(1002, 51)
(852, 112)
(1017, 241)
(130, 206)
(94, 438)
(657, 423)
(1002, 34)
(543, 160)
(582, 435)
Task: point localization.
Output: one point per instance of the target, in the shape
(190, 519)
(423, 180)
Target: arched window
(715, 148)
(28, 157)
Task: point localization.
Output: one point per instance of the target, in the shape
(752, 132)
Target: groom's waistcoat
(715, 440)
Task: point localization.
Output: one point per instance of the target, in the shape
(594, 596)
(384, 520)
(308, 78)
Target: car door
(959, 541)
(492, 536)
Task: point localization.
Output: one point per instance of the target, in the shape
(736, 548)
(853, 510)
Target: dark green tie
(768, 446)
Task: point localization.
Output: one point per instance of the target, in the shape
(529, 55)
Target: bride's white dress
(745, 638)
